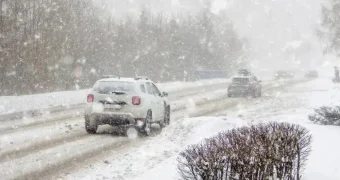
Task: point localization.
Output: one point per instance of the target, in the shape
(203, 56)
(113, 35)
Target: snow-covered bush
(326, 115)
(277, 150)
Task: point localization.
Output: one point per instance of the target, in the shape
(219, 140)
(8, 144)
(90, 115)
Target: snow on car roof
(239, 76)
(122, 79)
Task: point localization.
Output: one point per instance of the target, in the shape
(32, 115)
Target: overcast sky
(270, 25)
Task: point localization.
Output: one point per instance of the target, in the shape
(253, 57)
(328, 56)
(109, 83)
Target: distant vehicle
(126, 102)
(245, 86)
(312, 74)
(284, 75)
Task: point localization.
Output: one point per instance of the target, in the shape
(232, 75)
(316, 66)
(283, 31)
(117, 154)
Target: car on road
(312, 74)
(284, 75)
(126, 102)
(245, 86)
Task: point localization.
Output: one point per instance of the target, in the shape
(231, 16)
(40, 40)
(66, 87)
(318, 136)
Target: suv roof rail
(141, 77)
(109, 76)
(244, 73)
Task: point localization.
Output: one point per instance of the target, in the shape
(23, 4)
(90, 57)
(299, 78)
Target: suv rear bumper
(239, 90)
(114, 119)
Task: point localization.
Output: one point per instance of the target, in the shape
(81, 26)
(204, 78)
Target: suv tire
(146, 128)
(163, 123)
(90, 129)
(167, 115)
(254, 94)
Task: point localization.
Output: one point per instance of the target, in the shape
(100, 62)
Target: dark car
(312, 74)
(284, 75)
(245, 86)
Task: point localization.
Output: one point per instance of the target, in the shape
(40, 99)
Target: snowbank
(11, 104)
(200, 128)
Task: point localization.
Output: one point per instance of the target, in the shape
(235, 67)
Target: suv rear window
(142, 88)
(113, 87)
(240, 80)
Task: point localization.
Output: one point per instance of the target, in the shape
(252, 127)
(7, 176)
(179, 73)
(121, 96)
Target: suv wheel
(163, 122)
(91, 129)
(254, 93)
(167, 115)
(146, 129)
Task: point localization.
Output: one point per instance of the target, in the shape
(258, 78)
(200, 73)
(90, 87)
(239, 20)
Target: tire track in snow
(44, 139)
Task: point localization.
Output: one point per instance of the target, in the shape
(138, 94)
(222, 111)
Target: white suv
(126, 102)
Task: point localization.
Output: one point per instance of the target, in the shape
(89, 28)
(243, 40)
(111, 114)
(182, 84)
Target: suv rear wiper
(118, 92)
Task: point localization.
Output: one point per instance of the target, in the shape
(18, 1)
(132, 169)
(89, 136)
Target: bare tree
(44, 43)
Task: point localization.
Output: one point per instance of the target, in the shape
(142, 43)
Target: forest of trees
(44, 43)
(329, 32)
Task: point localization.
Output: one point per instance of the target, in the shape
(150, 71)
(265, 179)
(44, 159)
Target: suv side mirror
(165, 94)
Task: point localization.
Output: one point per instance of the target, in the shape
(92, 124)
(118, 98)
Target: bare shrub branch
(262, 151)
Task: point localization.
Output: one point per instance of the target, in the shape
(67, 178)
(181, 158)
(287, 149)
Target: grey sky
(270, 25)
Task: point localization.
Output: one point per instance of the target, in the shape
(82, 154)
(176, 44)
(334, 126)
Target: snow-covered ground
(293, 106)
(37, 145)
(11, 104)
(156, 157)
(61, 149)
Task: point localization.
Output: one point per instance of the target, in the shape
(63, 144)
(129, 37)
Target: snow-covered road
(200, 91)
(29, 134)
(49, 149)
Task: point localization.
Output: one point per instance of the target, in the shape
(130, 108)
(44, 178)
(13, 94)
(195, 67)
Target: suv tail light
(250, 84)
(136, 100)
(230, 84)
(90, 98)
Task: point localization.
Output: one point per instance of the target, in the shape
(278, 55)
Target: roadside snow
(11, 104)
(201, 128)
(291, 105)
